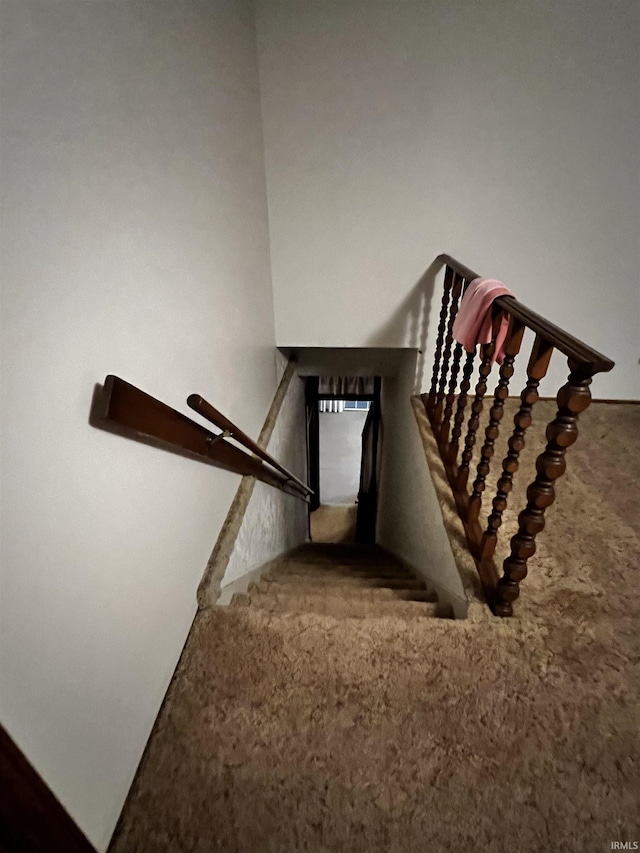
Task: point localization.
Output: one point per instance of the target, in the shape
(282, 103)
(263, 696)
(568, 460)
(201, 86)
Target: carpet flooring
(334, 523)
(296, 727)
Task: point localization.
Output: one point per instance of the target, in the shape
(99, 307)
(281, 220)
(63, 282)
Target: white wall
(503, 133)
(275, 522)
(409, 520)
(340, 456)
(135, 241)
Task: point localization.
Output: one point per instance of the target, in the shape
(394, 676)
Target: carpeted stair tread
(338, 550)
(339, 568)
(342, 590)
(380, 565)
(343, 581)
(334, 605)
(355, 555)
(297, 731)
(344, 559)
(360, 581)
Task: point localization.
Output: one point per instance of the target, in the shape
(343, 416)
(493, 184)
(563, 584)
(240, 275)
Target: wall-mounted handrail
(446, 405)
(136, 414)
(202, 407)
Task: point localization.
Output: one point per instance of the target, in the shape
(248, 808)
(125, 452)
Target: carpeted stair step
(344, 581)
(336, 605)
(339, 570)
(341, 567)
(344, 589)
(341, 581)
(331, 554)
(336, 550)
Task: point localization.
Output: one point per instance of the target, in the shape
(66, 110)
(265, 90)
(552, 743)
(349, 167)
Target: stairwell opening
(343, 439)
(406, 519)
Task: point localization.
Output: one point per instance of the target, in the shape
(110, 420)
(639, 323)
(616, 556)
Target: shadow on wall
(409, 323)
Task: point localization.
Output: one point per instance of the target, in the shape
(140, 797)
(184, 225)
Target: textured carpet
(334, 523)
(301, 730)
(342, 580)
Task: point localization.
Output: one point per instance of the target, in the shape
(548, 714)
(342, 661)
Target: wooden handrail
(202, 407)
(571, 346)
(128, 410)
(451, 386)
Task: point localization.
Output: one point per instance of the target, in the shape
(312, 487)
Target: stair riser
(341, 581)
(334, 605)
(351, 593)
(348, 609)
(344, 582)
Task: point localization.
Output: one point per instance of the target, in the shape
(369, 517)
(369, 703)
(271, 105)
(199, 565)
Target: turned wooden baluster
(486, 354)
(458, 420)
(456, 290)
(448, 281)
(573, 398)
(511, 350)
(536, 370)
(451, 395)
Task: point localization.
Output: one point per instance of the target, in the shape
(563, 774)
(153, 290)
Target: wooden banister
(566, 343)
(202, 407)
(125, 409)
(573, 398)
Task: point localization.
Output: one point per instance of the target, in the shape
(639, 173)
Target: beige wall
(134, 241)
(504, 133)
(340, 456)
(275, 522)
(409, 516)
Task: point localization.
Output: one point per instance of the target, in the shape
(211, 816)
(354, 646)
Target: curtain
(339, 386)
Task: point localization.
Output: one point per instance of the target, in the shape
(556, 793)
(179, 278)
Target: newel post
(573, 398)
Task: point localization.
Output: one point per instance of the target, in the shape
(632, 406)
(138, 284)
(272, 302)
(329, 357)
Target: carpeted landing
(288, 712)
(334, 523)
(354, 722)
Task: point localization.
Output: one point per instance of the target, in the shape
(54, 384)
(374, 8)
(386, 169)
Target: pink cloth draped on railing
(473, 322)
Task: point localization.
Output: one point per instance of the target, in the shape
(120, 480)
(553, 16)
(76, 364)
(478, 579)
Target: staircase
(298, 716)
(359, 581)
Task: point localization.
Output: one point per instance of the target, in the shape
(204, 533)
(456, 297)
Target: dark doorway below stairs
(335, 523)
